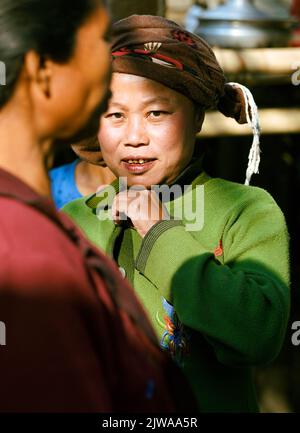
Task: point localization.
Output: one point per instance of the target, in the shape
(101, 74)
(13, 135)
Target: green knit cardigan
(228, 282)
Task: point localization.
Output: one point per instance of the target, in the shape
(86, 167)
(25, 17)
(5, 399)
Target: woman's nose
(135, 133)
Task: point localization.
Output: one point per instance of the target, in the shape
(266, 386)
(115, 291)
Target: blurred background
(258, 44)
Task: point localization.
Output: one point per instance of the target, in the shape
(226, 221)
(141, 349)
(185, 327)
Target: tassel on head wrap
(253, 122)
(239, 103)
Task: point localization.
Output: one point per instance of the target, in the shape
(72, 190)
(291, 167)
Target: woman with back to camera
(68, 313)
(208, 257)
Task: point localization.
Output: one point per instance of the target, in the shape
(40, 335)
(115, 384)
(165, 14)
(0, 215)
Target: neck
(189, 173)
(90, 177)
(21, 153)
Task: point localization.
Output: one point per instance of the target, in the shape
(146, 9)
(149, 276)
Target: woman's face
(79, 89)
(148, 133)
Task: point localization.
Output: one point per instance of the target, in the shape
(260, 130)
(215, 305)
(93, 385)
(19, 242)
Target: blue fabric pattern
(175, 339)
(63, 185)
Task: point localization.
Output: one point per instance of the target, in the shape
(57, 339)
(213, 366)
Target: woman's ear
(39, 72)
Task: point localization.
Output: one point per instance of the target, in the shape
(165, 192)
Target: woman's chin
(144, 181)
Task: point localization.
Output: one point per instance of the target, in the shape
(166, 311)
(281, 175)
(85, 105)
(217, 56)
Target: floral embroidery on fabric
(174, 339)
(184, 37)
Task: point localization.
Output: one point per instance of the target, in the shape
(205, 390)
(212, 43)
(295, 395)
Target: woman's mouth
(139, 165)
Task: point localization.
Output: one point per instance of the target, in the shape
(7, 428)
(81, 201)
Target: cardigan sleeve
(239, 303)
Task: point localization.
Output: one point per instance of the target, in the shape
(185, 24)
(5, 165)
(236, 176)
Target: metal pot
(239, 24)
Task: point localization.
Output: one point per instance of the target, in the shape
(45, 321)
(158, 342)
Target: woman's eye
(157, 114)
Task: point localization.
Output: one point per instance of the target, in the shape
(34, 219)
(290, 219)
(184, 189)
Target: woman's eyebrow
(113, 105)
(155, 100)
(144, 103)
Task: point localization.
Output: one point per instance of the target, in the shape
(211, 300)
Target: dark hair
(48, 27)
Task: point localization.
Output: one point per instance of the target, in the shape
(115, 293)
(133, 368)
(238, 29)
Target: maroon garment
(63, 303)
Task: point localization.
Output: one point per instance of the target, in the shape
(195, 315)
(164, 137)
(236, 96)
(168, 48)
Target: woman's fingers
(141, 207)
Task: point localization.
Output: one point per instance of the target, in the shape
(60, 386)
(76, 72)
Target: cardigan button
(123, 272)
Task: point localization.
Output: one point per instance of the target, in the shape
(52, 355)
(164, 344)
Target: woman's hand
(142, 207)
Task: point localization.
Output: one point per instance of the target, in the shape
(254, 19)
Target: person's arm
(242, 305)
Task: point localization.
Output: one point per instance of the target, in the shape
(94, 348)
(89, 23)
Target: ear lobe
(38, 71)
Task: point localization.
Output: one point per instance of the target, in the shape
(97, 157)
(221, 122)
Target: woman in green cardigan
(207, 257)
